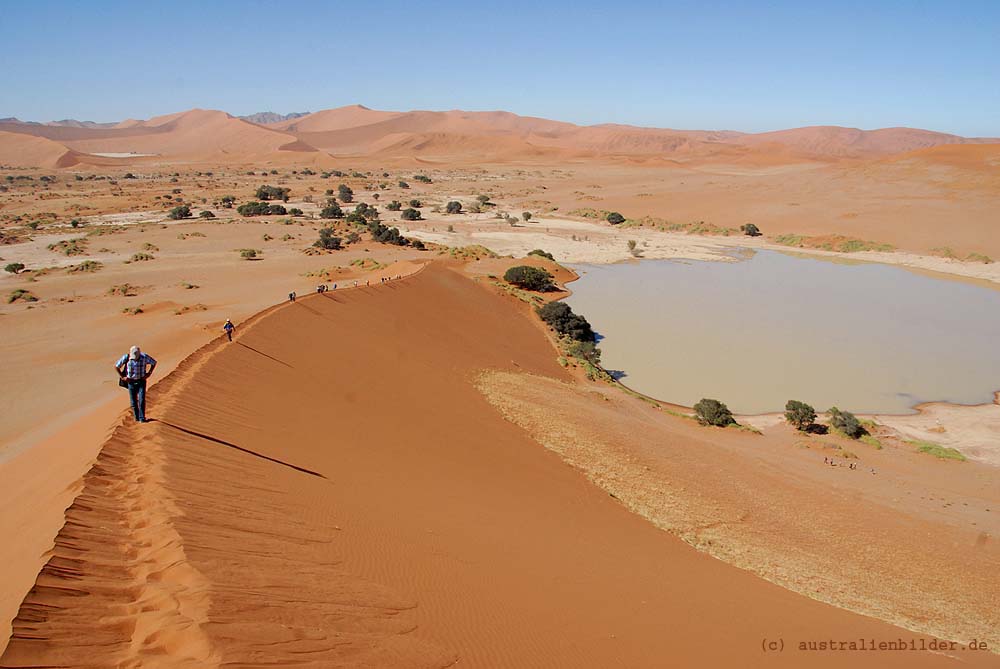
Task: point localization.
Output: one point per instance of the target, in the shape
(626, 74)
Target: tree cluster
(560, 317)
(266, 193)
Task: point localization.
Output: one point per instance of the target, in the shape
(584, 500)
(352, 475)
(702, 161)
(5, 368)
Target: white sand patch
(115, 154)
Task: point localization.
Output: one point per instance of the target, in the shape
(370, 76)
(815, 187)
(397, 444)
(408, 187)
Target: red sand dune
(195, 134)
(356, 130)
(332, 490)
(20, 150)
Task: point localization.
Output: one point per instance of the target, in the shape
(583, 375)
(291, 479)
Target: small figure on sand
(291, 296)
(132, 369)
(229, 327)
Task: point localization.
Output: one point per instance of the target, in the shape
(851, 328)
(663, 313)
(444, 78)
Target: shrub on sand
(713, 412)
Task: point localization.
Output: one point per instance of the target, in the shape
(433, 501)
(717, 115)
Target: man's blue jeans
(137, 393)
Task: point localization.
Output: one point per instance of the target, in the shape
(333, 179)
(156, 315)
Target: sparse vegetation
(837, 243)
(87, 266)
(124, 290)
(70, 247)
(250, 254)
(21, 295)
(530, 278)
(713, 412)
(614, 218)
(937, 450)
(140, 257)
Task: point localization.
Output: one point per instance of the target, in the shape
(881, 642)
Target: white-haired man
(132, 368)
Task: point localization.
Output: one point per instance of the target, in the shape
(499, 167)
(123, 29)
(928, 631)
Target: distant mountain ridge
(265, 118)
(201, 135)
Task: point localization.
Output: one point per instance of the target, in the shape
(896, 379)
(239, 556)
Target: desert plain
(411, 468)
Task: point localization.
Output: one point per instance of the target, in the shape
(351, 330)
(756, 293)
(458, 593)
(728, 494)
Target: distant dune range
(214, 136)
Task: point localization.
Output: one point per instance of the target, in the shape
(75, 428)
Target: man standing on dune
(131, 367)
(229, 327)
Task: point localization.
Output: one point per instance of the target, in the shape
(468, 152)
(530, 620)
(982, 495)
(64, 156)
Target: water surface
(867, 338)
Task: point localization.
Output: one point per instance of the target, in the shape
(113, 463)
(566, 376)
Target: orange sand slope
(332, 490)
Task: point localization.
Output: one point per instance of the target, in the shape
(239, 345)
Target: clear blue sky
(750, 66)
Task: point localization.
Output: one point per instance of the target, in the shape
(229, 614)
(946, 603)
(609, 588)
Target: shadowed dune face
(332, 490)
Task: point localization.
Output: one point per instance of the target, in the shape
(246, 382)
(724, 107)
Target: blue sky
(751, 66)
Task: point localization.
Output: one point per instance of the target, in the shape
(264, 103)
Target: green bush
(395, 205)
(529, 278)
(416, 204)
(614, 218)
(206, 214)
(21, 294)
(177, 213)
(560, 317)
(799, 414)
(14, 267)
(410, 214)
(386, 235)
(403, 184)
(331, 210)
(453, 207)
(526, 216)
(327, 240)
(249, 254)
(750, 230)
(542, 254)
(713, 412)
(846, 422)
(295, 211)
(345, 193)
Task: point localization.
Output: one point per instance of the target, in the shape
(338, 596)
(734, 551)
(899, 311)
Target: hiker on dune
(229, 327)
(133, 372)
